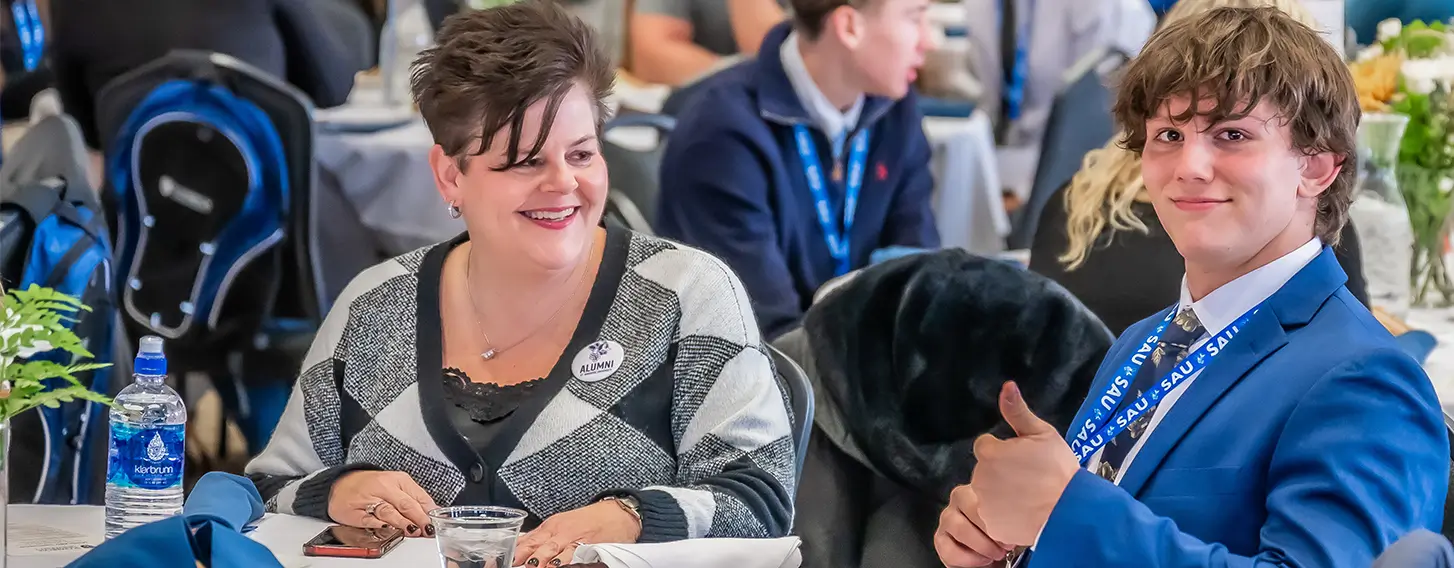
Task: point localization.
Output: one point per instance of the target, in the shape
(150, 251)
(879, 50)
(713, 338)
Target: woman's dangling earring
(453, 210)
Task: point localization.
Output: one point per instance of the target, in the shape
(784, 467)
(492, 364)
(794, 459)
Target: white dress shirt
(833, 122)
(1216, 311)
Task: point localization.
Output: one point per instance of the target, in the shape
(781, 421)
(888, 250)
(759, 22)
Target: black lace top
(478, 409)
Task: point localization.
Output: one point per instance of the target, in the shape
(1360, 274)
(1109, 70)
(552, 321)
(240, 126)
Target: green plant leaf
(39, 319)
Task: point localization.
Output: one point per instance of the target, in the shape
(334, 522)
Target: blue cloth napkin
(206, 532)
(945, 108)
(892, 252)
(1418, 344)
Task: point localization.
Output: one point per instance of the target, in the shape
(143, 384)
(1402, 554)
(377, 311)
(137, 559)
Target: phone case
(316, 548)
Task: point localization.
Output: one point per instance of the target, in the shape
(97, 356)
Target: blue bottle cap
(149, 357)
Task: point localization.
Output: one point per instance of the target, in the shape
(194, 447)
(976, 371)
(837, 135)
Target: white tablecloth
(284, 535)
(968, 205)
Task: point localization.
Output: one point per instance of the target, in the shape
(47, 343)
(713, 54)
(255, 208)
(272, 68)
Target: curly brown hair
(489, 66)
(1239, 58)
(1098, 202)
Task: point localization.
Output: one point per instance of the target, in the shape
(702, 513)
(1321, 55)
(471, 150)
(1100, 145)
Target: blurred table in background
(1440, 365)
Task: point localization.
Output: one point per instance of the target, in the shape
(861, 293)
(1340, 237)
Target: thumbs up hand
(1019, 480)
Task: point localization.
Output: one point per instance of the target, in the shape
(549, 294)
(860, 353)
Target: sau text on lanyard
(836, 240)
(1099, 429)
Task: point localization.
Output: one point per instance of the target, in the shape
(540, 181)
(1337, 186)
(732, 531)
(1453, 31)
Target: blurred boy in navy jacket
(734, 182)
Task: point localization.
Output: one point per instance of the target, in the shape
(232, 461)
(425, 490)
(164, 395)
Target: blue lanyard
(812, 169)
(1014, 91)
(32, 33)
(1099, 429)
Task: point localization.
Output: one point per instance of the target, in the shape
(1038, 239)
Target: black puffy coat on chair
(907, 360)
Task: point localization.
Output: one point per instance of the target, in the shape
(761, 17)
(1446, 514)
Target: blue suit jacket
(1312, 440)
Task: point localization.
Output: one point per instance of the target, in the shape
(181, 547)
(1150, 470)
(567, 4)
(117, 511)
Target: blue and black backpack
(51, 239)
(202, 197)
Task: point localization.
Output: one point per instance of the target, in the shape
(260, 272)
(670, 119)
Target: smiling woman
(537, 361)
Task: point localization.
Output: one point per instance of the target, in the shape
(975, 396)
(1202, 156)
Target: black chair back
(291, 114)
(276, 326)
(636, 171)
(1080, 121)
(622, 212)
(800, 393)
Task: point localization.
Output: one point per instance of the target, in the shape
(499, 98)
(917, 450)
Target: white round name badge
(598, 361)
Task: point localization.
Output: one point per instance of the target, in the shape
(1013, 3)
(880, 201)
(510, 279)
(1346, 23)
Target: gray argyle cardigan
(693, 422)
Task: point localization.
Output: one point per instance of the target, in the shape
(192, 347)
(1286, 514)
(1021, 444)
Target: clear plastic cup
(476, 537)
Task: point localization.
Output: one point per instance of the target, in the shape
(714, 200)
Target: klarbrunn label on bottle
(146, 458)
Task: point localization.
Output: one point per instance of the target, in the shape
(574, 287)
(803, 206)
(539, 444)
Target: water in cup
(477, 548)
(476, 537)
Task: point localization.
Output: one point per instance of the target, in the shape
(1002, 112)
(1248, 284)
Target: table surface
(284, 535)
(1440, 365)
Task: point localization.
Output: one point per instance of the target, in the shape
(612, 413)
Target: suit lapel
(1263, 336)
(1291, 307)
(1120, 351)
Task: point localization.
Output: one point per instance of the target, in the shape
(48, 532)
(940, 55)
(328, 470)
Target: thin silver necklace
(491, 351)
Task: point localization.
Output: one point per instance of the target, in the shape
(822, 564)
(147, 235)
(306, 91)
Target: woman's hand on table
(554, 542)
(375, 499)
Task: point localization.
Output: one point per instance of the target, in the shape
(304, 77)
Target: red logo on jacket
(880, 172)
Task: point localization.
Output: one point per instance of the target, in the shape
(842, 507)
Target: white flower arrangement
(1410, 71)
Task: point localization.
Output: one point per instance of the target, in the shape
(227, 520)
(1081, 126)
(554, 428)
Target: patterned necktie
(1175, 342)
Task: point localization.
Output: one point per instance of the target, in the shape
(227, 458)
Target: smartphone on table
(353, 542)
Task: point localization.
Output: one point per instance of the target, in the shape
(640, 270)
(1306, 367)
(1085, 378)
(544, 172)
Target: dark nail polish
(413, 529)
(555, 562)
(532, 562)
(429, 530)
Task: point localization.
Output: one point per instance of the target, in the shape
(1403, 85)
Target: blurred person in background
(613, 385)
(23, 69)
(676, 42)
(308, 43)
(796, 167)
(1022, 49)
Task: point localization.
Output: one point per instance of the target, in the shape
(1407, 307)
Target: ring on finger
(373, 508)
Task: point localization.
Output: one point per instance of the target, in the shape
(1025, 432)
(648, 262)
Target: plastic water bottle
(148, 423)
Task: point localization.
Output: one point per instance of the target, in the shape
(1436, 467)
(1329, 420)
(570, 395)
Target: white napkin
(697, 553)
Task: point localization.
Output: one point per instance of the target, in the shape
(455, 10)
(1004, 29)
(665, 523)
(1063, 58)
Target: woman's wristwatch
(628, 503)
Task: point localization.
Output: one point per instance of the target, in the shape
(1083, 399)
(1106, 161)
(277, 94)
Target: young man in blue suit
(795, 167)
(1267, 419)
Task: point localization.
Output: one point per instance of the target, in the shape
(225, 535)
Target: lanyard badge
(836, 240)
(1105, 421)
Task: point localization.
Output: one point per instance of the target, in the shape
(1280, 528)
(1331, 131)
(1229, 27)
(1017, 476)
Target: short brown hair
(1239, 58)
(489, 66)
(809, 15)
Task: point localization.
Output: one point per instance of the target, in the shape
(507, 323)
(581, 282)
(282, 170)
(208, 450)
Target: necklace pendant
(488, 354)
